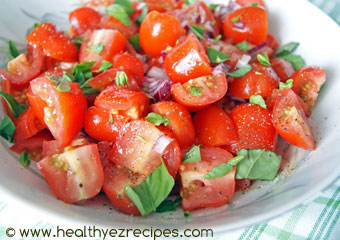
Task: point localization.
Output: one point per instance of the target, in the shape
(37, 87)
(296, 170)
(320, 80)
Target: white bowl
(290, 20)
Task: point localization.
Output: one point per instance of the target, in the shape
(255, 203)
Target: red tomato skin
(114, 42)
(242, 184)
(70, 109)
(131, 65)
(64, 185)
(27, 125)
(283, 68)
(272, 41)
(291, 122)
(115, 179)
(158, 31)
(248, 3)
(21, 72)
(307, 82)
(109, 22)
(6, 87)
(198, 192)
(214, 127)
(254, 84)
(187, 60)
(97, 124)
(181, 123)
(83, 19)
(254, 128)
(255, 24)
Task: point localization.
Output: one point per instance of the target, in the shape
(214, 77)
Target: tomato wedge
(283, 68)
(83, 19)
(131, 65)
(291, 122)
(199, 192)
(109, 22)
(70, 179)
(63, 112)
(200, 92)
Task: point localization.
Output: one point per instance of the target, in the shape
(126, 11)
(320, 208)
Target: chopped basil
(254, 4)
(287, 84)
(77, 41)
(7, 129)
(13, 51)
(168, 49)
(216, 56)
(257, 164)
(235, 19)
(168, 205)
(121, 78)
(98, 48)
(68, 77)
(110, 120)
(258, 73)
(15, 107)
(126, 4)
(243, 46)
(134, 40)
(193, 155)
(157, 119)
(105, 65)
(89, 90)
(24, 159)
(296, 60)
(142, 15)
(240, 72)
(264, 59)
(286, 49)
(198, 31)
(82, 71)
(141, 138)
(36, 25)
(213, 6)
(60, 83)
(119, 12)
(217, 38)
(148, 195)
(187, 214)
(188, 2)
(224, 168)
(258, 99)
(196, 91)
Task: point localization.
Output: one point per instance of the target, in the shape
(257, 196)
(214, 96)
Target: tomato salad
(150, 99)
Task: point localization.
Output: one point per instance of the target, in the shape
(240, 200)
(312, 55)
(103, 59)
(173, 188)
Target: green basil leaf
(224, 168)
(105, 65)
(148, 195)
(14, 106)
(187, 214)
(258, 99)
(78, 40)
(68, 77)
(254, 4)
(168, 205)
(110, 120)
(257, 164)
(296, 60)
(142, 15)
(89, 91)
(213, 6)
(235, 19)
(188, 2)
(217, 38)
(126, 4)
(60, 83)
(243, 46)
(119, 12)
(157, 119)
(193, 155)
(121, 78)
(24, 159)
(36, 25)
(134, 40)
(264, 59)
(98, 48)
(7, 129)
(240, 72)
(287, 84)
(286, 49)
(13, 51)
(196, 91)
(216, 56)
(198, 31)
(82, 71)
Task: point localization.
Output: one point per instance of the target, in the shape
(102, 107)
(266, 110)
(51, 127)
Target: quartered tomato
(121, 101)
(246, 23)
(100, 45)
(180, 121)
(22, 70)
(261, 80)
(307, 82)
(83, 19)
(74, 175)
(199, 192)
(63, 112)
(130, 65)
(283, 68)
(159, 31)
(187, 60)
(272, 41)
(102, 125)
(214, 127)
(115, 179)
(54, 44)
(109, 22)
(247, 3)
(291, 122)
(254, 128)
(200, 92)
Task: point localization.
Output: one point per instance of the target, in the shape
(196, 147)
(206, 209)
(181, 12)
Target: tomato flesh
(131, 65)
(83, 19)
(283, 68)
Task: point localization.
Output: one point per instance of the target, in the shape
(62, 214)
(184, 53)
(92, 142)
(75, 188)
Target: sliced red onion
(158, 88)
(221, 68)
(239, 25)
(233, 5)
(156, 72)
(244, 60)
(257, 49)
(161, 144)
(237, 100)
